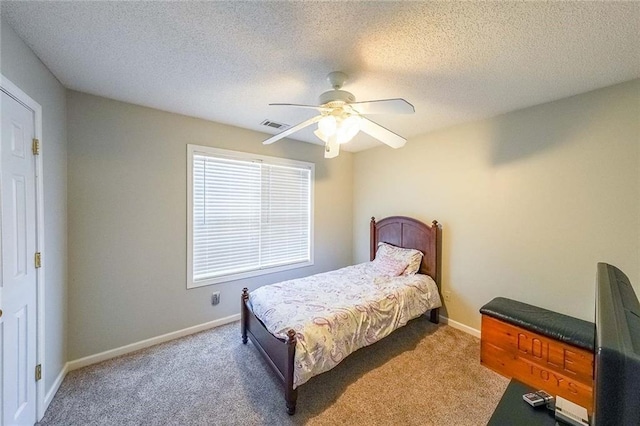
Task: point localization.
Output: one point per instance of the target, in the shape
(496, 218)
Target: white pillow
(411, 258)
(388, 267)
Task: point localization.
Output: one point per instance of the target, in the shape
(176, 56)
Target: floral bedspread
(335, 313)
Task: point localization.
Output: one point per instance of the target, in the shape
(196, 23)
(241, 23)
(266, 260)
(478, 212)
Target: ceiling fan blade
(332, 148)
(384, 106)
(316, 107)
(381, 133)
(293, 129)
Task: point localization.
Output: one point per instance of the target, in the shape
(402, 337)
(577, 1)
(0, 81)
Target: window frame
(193, 150)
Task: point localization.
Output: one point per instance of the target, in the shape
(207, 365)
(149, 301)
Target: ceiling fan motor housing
(337, 97)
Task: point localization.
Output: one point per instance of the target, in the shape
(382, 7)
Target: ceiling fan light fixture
(349, 127)
(327, 125)
(343, 128)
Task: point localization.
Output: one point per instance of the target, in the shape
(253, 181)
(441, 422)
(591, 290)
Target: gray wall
(20, 65)
(529, 201)
(127, 221)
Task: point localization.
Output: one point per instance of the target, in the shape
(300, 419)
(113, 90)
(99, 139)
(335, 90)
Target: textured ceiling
(226, 61)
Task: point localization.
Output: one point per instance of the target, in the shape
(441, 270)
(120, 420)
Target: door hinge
(38, 259)
(38, 372)
(35, 146)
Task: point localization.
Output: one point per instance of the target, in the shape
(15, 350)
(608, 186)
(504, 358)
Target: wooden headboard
(406, 232)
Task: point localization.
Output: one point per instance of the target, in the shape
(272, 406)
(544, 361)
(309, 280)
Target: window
(248, 215)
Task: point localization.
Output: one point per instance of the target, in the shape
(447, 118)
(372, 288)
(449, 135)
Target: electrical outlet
(447, 296)
(215, 298)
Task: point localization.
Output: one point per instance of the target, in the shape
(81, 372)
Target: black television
(616, 391)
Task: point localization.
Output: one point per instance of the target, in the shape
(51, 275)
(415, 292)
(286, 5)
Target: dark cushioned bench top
(557, 326)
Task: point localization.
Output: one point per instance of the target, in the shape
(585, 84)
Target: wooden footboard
(278, 353)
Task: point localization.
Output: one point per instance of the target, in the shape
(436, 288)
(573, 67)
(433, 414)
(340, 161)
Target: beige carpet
(422, 374)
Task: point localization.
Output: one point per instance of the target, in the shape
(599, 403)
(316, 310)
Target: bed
(289, 347)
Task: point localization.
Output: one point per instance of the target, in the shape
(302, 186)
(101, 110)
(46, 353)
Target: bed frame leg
(291, 401)
(290, 394)
(243, 313)
(435, 316)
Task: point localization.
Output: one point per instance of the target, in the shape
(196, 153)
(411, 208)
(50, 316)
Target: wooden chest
(539, 361)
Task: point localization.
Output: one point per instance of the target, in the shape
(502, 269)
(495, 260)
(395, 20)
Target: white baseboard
(460, 326)
(54, 387)
(112, 353)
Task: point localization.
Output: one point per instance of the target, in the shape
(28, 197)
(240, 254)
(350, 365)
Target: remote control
(533, 399)
(546, 396)
(536, 399)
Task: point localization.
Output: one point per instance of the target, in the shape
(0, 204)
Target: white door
(18, 285)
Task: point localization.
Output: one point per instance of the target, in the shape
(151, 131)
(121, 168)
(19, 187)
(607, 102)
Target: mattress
(337, 312)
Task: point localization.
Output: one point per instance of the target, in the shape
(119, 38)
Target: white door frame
(15, 92)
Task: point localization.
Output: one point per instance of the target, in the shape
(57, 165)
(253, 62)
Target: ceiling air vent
(279, 126)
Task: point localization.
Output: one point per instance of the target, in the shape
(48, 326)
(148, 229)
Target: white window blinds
(250, 215)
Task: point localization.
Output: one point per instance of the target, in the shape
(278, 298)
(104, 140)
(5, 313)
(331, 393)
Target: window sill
(248, 274)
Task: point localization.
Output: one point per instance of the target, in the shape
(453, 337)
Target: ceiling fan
(341, 117)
